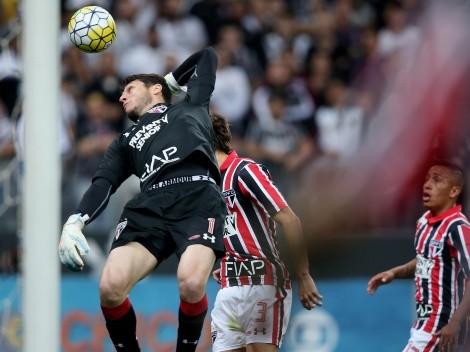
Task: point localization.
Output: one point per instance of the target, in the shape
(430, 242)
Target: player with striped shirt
(441, 267)
(252, 309)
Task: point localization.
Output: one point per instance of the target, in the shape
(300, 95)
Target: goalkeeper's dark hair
(149, 79)
(221, 133)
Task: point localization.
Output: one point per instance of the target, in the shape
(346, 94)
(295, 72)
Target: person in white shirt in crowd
(339, 124)
(232, 92)
(177, 28)
(397, 34)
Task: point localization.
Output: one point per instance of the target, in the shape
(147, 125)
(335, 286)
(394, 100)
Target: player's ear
(455, 192)
(157, 88)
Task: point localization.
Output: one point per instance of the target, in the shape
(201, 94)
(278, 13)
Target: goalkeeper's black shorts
(169, 219)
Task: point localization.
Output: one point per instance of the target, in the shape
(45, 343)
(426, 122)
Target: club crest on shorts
(119, 228)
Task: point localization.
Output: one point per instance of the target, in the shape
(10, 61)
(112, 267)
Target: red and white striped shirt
(252, 254)
(443, 257)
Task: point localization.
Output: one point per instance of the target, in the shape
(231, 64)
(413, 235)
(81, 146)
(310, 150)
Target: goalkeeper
(180, 208)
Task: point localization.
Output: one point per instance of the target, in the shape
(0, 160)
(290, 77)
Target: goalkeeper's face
(137, 99)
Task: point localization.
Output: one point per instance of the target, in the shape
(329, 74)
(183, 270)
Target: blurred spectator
(279, 144)
(95, 132)
(318, 73)
(397, 33)
(128, 34)
(232, 38)
(150, 57)
(249, 16)
(178, 29)
(10, 60)
(146, 57)
(282, 35)
(75, 67)
(107, 80)
(211, 13)
(346, 34)
(339, 125)
(299, 104)
(232, 92)
(7, 147)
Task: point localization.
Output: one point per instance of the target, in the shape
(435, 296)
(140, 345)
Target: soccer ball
(92, 29)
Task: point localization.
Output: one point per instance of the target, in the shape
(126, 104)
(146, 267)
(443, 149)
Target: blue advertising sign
(350, 320)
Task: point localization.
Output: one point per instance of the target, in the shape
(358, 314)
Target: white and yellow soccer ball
(92, 29)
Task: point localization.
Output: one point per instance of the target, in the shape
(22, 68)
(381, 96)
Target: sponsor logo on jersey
(423, 267)
(424, 310)
(146, 131)
(157, 162)
(247, 268)
(230, 227)
(194, 237)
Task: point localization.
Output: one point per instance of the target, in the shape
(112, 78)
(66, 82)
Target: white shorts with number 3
(244, 315)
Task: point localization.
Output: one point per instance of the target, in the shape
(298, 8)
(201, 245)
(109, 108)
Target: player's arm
(405, 271)
(292, 228)
(73, 243)
(256, 183)
(449, 334)
(198, 73)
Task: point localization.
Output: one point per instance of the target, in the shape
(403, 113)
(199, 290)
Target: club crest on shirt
(436, 247)
(157, 109)
(230, 197)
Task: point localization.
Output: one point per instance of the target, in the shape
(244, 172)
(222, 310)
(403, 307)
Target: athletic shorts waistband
(180, 179)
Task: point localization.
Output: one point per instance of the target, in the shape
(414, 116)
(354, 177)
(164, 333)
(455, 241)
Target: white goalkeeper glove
(72, 243)
(175, 88)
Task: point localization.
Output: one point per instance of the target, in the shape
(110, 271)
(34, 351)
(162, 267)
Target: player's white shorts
(250, 314)
(421, 341)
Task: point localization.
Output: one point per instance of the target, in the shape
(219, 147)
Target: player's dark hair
(149, 79)
(222, 135)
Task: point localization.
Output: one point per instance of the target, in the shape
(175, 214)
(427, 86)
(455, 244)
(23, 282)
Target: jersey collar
(230, 158)
(432, 220)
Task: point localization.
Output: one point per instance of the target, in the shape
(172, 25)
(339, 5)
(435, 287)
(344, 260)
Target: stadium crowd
(300, 81)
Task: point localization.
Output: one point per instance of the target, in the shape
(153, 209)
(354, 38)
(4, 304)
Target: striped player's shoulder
(244, 162)
(459, 219)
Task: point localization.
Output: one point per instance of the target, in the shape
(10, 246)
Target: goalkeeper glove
(72, 242)
(175, 88)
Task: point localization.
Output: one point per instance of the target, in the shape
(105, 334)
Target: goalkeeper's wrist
(77, 219)
(172, 83)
